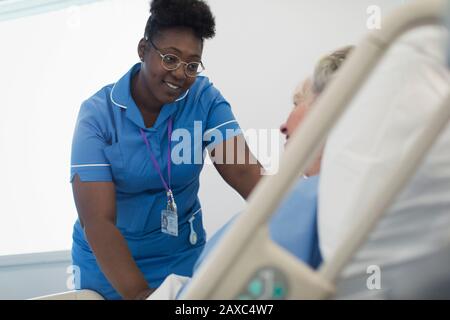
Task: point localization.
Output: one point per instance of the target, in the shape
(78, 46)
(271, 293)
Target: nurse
(135, 189)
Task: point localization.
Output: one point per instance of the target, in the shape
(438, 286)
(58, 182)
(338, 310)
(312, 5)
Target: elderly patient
(294, 225)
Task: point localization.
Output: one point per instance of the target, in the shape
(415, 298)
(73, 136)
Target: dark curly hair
(194, 14)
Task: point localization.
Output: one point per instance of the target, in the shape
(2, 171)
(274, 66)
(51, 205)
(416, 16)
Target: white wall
(50, 63)
(32, 275)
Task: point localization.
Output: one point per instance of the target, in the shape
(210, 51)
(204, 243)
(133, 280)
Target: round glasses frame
(179, 63)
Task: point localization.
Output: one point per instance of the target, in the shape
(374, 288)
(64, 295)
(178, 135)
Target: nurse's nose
(180, 73)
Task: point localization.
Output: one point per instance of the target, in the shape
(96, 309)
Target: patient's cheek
(297, 116)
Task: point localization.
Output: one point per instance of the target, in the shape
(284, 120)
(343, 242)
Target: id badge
(169, 222)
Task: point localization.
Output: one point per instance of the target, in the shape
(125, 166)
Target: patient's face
(302, 100)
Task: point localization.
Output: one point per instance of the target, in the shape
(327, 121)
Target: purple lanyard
(152, 156)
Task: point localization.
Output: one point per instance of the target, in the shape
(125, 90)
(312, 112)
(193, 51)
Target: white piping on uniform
(125, 107)
(185, 95)
(90, 165)
(111, 96)
(197, 212)
(223, 124)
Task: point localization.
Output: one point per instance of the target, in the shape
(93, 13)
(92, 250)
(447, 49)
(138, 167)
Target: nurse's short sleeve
(88, 158)
(221, 125)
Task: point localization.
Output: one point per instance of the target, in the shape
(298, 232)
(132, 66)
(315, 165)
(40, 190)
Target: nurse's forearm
(115, 259)
(247, 178)
(241, 177)
(237, 166)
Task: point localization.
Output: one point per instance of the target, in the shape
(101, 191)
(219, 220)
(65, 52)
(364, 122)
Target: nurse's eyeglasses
(172, 62)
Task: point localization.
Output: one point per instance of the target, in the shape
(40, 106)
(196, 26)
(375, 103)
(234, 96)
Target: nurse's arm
(237, 165)
(96, 206)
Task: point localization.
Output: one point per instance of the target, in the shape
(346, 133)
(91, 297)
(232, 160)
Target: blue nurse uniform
(107, 146)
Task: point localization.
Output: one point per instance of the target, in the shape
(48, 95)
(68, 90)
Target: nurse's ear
(142, 49)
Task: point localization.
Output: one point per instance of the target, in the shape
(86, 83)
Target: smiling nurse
(140, 218)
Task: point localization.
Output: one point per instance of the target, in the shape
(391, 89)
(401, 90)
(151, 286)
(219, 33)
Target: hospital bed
(246, 257)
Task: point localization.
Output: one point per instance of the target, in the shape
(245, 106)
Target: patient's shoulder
(307, 188)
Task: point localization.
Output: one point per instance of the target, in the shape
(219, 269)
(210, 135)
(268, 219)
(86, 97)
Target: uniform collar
(121, 97)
